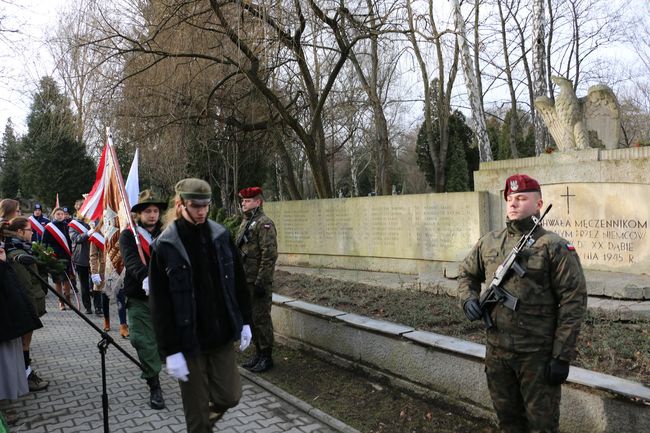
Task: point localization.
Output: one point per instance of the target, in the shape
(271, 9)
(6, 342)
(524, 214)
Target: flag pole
(122, 192)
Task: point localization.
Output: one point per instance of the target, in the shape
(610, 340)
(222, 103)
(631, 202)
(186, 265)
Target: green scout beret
(194, 189)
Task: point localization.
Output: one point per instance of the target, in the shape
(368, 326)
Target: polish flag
(93, 205)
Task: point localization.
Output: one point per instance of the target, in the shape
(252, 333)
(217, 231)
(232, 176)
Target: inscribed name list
(607, 223)
(419, 226)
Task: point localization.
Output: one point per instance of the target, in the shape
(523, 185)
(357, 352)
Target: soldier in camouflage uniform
(257, 241)
(528, 350)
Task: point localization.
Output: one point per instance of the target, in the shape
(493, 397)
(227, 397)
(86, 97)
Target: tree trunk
(539, 74)
(514, 117)
(484, 149)
(287, 168)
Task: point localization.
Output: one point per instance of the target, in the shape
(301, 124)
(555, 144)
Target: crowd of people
(228, 286)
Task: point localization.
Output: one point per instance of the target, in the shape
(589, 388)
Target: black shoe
(252, 361)
(35, 383)
(156, 400)
(214, 417)
(214, 414)
(264, 364)
(88, 311)
(99, 312)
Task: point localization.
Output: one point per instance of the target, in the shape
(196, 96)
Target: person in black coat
(17, 318)
(200, 306)
(57, 237)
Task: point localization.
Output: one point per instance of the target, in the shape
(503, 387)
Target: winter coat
(171, 296)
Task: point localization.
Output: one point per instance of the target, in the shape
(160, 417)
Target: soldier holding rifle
(534, 319)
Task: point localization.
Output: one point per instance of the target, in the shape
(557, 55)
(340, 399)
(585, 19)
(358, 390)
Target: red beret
(250, 192)
(520, 183)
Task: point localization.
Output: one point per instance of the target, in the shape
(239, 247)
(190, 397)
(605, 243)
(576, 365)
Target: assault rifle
(243, 238)
(496, 293)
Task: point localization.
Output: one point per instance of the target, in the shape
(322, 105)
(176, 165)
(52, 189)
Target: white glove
(145, 286)
(177, 367)
(245, 339)
(97, 279)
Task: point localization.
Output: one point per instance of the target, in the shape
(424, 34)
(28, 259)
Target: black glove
(25, 259)
(557, 371)
(472, 309)
(259, 291)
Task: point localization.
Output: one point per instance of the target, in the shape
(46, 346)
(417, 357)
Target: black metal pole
(103, 346)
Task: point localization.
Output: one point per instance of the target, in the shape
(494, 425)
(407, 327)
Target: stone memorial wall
(601, 203)
(379, 233)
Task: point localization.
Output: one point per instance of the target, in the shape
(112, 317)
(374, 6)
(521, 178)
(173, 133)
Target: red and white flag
(36, 225)
(93, 205)
(109, 200)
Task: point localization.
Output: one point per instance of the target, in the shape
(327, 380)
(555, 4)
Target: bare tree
(475, 99)
(437, 91)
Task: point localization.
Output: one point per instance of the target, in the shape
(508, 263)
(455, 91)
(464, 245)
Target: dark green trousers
(521, 396)
(262, 326)
(142, 337)
(213, 377)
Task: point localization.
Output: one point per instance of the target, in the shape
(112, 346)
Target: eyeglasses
(28, 229)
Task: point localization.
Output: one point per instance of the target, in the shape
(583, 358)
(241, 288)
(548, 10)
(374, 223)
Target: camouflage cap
(147, 198)
(194, 189)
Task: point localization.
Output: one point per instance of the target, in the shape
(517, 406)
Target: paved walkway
(65, 352)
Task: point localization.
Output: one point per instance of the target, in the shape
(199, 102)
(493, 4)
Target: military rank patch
(570, 247)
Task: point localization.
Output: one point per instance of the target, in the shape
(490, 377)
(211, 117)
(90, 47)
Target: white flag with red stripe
(93, 206)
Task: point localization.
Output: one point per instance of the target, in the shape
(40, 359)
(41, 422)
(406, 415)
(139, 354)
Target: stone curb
(461, 347)
(319, 415)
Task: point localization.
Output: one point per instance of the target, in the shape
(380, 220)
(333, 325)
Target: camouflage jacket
(259, 248)
(552, 294)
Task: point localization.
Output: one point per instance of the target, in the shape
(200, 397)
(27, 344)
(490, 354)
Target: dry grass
(605, 344)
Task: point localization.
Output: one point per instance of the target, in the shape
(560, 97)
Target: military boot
(156, 400)
(252, 361)
(264, 364)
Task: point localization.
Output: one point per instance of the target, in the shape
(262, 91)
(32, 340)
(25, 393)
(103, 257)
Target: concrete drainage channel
(451, 368)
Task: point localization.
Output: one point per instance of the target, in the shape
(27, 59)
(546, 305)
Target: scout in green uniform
(257, 241)
(528, 350)
(136, 289)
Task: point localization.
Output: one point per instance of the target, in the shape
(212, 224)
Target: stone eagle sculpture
(579, 123)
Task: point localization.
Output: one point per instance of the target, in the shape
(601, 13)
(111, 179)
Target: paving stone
(65, 353)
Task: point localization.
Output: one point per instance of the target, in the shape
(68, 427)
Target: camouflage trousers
(262, 325)
(521, 396)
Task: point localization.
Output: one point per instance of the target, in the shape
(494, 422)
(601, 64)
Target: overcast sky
(24, 57)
